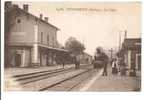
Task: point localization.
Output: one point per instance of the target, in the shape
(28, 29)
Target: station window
(41, 37)
(48, 39)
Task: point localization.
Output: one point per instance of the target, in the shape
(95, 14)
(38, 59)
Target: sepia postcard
(72, 46)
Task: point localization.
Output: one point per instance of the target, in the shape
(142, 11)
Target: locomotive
(100, 59)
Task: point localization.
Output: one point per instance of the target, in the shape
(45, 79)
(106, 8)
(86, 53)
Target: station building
(131, 53)
(29, 40)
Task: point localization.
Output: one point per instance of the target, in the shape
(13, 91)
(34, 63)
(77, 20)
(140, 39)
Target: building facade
(85, 58)
(131, 53)
(29, 40)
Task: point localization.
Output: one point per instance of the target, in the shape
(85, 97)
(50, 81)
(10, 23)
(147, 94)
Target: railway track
(44, 84)
(32, 77)
(70, 83)
(47, 80)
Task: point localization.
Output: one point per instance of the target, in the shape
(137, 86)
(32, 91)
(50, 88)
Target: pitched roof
(132, 43)
(13, 8)
(87, 54)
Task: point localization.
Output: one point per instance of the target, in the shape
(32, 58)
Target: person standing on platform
(77, 62)
(114, 67)
(105, 63)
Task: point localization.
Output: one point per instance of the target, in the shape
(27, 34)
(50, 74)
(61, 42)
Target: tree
(74, 46)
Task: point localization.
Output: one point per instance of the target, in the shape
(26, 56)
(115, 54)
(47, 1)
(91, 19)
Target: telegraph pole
(125, 34)
(111, 51)
(119, 41)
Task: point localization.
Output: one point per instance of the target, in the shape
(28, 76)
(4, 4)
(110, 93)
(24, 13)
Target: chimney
(46, 19)
(41, 16)
(25, 7)
(8, 4)
(16, 6)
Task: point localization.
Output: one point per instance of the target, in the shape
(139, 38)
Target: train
(100, 59)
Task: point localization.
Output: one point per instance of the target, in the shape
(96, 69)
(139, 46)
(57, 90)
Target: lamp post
(111, 53)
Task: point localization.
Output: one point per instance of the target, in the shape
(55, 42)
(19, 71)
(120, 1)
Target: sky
(93, 23)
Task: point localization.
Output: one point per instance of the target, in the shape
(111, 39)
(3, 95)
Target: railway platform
(112, 82)
(39, 77)
(12, 71)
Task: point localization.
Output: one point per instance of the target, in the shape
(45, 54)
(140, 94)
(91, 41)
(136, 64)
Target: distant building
(85, 58)
(29, 40)
(131, 53)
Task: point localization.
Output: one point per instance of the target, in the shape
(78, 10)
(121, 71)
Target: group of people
(101, 59)
(118, 66)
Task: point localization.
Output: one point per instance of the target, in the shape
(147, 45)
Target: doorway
(17, 59)
(138, 61)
